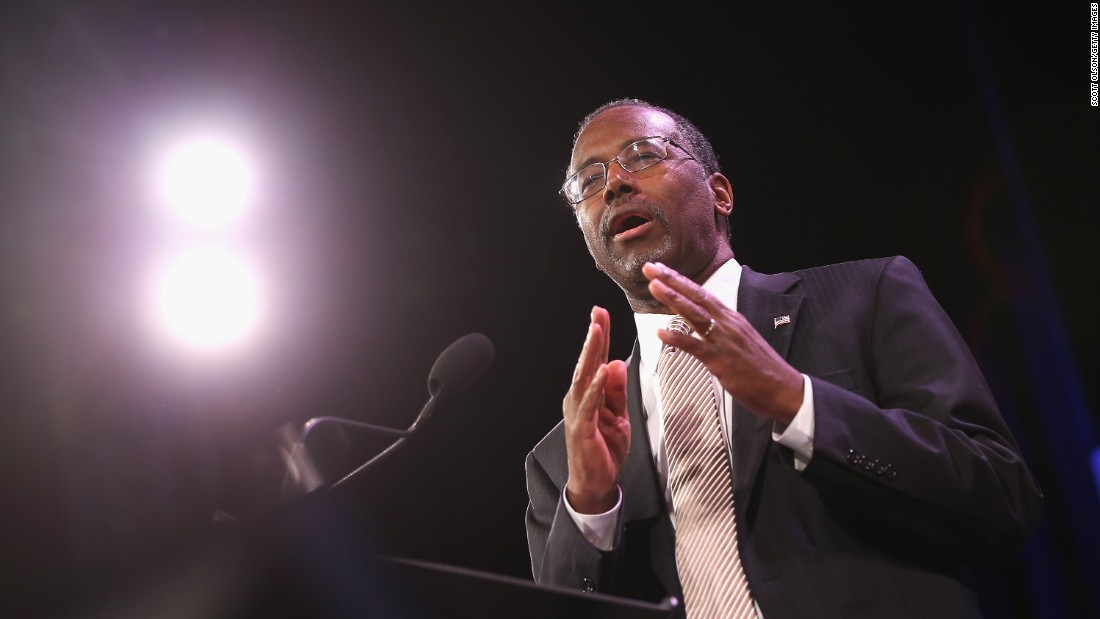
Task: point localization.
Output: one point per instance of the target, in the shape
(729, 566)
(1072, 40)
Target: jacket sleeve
(925, 454)
(560, 555)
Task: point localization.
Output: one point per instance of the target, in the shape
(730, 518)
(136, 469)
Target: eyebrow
(589, 161)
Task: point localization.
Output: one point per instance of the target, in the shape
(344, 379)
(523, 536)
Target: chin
(635, 260)
(627, 270)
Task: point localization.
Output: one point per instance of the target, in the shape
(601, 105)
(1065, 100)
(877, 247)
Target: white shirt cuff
(598, 529)
(799, 435)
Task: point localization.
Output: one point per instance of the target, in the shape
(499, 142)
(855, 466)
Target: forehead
(607, 134)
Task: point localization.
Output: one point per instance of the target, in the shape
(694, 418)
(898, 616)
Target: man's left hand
(744, 363)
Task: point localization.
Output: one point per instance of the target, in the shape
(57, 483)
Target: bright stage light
(208, 298)
(207, 181)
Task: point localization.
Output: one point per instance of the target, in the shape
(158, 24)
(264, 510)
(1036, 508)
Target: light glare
(208, 298)
(207, 181)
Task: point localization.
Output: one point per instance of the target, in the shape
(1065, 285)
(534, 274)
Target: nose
(619, 182)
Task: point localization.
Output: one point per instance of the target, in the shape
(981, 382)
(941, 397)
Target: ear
(723, 194)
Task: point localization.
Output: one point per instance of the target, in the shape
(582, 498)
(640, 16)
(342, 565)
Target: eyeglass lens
(636, 157)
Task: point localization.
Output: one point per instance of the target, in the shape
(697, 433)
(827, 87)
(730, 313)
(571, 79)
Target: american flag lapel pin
(785, 319)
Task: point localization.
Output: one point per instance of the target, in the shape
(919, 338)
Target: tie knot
(679, 325)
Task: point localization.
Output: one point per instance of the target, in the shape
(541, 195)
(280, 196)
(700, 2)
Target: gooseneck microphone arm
(402, 435)
(362, 425)
(458, 367)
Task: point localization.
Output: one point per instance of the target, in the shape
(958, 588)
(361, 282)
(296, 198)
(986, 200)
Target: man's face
(663, 213)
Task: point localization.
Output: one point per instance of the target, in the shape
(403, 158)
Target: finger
(693, 292)
(589, 360)
(687, 343)
(696, 316)
(601, 317)
(589, 408)
(615, 389)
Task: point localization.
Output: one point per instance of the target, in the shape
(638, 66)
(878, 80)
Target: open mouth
(629, 225)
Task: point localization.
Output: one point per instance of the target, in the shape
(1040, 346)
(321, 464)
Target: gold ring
(710, 328)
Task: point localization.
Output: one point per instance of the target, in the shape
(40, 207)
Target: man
(867, 459)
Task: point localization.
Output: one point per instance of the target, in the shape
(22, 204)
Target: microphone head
(461, 364)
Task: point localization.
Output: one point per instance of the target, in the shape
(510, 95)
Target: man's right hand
(597, 425)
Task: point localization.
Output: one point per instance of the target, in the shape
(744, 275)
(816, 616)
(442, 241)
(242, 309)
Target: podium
(319, 560)
(256, 578)
(425, 590)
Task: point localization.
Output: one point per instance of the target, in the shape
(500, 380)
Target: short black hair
(689, 136)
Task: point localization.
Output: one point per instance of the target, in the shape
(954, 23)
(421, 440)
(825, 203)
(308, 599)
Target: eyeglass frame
(606, 165)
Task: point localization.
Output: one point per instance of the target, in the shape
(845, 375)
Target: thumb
(615, 388)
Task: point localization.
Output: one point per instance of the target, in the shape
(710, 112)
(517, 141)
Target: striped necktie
(700, 480)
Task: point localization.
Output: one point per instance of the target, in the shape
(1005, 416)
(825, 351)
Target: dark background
(410, 159)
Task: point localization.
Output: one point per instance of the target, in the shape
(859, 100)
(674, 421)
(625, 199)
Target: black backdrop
(409, 161)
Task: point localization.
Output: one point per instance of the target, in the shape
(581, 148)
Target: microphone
(456, 369)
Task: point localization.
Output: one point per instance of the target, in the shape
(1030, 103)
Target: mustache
(655, 212)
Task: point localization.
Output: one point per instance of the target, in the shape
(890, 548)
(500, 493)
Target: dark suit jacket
(914, 474)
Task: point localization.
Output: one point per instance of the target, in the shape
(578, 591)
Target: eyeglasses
(591, 179)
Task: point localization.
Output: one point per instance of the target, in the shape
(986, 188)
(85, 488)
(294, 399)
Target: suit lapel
(643, 497)
(641, 492)
(771, 304)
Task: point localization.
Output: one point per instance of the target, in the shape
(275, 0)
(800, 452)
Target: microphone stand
(456, 368)
(301, 468)
(401, 434)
